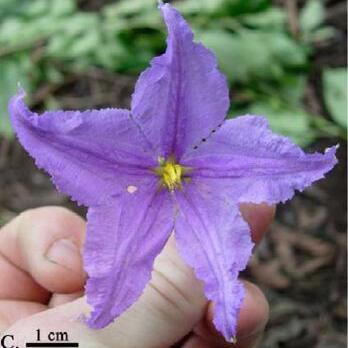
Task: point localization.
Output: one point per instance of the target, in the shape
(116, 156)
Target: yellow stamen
(170, 173)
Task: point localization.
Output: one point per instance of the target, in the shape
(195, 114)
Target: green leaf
(311, 16)
(203, 7)
(221, 7)
(42, 19)
(322, 34)
(129, 8)
(335, 94)
(79, 39)
(289, 90)
(128, 15)
(252, 55)
(293, 123)
(62, 7)
(13, 70)
(238, 7)
(292, 89)
(273, 17)
(327, 128)
(112, 55)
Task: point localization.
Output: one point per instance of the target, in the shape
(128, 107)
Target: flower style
(171, 163)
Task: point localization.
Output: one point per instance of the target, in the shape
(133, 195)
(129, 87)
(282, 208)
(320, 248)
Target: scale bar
(51, 344)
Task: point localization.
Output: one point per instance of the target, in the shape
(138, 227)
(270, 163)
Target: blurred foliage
(263, 62)
(335, 88)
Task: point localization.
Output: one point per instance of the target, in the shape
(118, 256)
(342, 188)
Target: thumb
(171, 305)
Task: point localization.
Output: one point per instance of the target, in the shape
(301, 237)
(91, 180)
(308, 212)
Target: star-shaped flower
(171, 163)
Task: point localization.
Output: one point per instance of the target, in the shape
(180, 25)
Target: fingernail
(65, 252)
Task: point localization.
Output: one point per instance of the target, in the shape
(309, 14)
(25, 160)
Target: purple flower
(171, 163)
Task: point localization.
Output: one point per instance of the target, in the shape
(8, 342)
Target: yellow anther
(170, 173)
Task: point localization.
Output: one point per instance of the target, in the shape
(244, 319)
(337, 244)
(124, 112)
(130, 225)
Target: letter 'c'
(3, 341)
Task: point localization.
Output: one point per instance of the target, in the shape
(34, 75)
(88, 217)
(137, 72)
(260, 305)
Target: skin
(42, 281)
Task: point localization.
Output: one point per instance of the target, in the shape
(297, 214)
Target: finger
(259, 217)
(174, 301)
(11, 311)
(42, 247)
(252, 320)
(253, 317)
(168, 309)
(17, 284)
(197, 342)
(60, 299)
(171, 305)
(64, 318)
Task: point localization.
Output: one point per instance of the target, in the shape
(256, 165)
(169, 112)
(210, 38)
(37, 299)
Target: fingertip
(61, 268)
(259, 217)
(46, 242)
(254, 313)
(252, 319)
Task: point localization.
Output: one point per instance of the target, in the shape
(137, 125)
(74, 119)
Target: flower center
(171, 173)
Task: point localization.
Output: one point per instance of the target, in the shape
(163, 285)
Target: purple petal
(252, 164)
(213, 238)
(182, 96)
(90, 155)
(123, 238)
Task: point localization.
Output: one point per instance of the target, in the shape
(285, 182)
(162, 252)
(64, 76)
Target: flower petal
(213, 238)
(182, 96)
(252, 164)
(123, 239)
(90, 155)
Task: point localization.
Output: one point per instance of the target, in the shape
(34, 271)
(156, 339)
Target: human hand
(42, 279)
